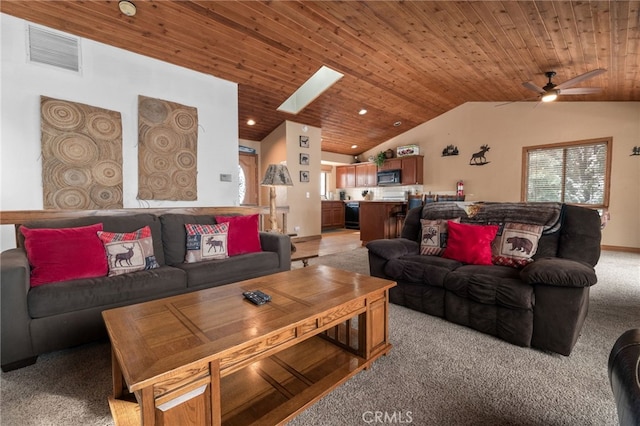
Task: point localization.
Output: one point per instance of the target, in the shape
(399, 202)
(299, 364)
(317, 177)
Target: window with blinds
(571, 172)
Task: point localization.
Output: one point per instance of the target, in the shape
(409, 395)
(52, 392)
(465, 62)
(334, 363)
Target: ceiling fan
(551, 90)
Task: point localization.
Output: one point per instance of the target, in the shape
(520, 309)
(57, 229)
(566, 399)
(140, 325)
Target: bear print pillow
(515, 244)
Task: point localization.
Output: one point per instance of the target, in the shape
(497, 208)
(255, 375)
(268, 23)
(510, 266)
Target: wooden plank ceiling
(404, 62)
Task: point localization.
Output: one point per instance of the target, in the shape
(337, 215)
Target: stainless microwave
(389, 177)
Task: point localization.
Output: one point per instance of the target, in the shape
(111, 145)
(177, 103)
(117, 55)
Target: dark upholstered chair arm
(624, 375)
(279, 243)
(14, 313)
(559, 272)
(394, 248)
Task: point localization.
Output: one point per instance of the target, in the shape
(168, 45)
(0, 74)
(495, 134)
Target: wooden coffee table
(212, 357)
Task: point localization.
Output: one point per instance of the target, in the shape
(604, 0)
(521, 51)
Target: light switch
(225, 177)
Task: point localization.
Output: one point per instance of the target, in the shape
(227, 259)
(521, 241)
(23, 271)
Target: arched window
(242, 185)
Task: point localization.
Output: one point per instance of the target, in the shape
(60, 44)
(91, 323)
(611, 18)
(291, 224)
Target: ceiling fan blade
(520, 100)
(581, 91)
(582, 77)
(533, 87)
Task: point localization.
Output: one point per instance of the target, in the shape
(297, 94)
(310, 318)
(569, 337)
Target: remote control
(257, 297)
(263, 295)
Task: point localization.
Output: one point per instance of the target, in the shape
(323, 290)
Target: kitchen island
(381, 219)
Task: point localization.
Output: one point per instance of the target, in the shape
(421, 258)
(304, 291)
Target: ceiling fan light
(550, 96)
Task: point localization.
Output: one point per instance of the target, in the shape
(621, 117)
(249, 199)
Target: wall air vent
(53, 48)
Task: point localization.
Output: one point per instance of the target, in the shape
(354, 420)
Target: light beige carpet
(437, 373)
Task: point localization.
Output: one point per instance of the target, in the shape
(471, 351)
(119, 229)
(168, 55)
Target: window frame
(608, 141)
(324, 184)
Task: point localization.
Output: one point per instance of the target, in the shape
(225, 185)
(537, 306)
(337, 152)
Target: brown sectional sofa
(542, 305)
(36, 320)
(624, 376)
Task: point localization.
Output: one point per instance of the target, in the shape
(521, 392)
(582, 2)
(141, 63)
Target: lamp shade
(277, 175)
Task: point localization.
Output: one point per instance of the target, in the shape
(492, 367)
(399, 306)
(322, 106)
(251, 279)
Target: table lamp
(276, 175)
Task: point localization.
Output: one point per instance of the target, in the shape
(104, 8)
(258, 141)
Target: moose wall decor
(478, 158)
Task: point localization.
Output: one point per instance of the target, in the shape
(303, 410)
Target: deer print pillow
(515, 244)
(433, 240)
(206, 242)
(129, 252)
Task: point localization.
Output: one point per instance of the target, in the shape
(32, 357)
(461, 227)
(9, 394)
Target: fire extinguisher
(460, 191)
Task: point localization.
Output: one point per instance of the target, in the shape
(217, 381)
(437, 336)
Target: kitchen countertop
(383, 201)
(366, 201)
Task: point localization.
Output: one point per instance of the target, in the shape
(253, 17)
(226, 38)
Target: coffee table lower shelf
(273, 390)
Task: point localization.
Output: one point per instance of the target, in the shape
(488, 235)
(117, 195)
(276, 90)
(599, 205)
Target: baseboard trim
(620, 248)
(307, 238)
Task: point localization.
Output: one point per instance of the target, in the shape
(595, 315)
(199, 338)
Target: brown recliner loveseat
(542, 305)
(624, 375)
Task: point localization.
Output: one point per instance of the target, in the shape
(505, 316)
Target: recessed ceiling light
(127, 8)
(251, 122)
(362, 111)
(354, 146)
(397, 123)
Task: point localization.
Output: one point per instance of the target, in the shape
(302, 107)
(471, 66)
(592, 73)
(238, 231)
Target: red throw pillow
(470, 243)
(64, 254)
(243, 234)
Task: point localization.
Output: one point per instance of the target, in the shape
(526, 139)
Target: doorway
(248, 179)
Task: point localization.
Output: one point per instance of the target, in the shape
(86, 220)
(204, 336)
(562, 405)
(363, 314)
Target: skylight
(324, 78)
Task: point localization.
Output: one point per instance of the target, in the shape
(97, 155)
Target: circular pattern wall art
(167, 150)
(81, 156)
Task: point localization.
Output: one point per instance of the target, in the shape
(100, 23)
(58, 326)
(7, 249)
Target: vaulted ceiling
(405, 62)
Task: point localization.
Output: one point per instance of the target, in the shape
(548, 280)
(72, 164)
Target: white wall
(509, 128)
(111, 78)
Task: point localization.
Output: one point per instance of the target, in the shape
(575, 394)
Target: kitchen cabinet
(356, 176)
(332, 214)
(412, 168)
(366, 175)
(346, 176)
(392, 164)
(381, 219)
